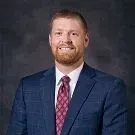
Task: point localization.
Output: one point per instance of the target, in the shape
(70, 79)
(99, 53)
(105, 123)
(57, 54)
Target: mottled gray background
(24, 47)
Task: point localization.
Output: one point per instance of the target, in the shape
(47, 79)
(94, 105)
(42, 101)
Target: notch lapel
(82, 91)
(47, 86)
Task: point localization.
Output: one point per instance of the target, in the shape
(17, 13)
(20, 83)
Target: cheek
(55, 41)
(78, 43)
(75, 41)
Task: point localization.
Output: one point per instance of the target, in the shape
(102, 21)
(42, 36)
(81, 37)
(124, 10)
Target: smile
(65, 48)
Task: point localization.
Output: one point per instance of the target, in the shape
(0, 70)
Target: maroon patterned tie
(63, 99)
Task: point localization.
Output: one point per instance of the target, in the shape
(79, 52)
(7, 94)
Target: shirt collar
(74, 75)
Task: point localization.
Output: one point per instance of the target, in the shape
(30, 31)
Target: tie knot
(65, 79)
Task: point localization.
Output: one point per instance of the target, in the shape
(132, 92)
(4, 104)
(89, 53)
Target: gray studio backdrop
(24, 47)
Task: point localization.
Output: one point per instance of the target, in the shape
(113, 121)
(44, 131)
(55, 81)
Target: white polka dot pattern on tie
(63, 100)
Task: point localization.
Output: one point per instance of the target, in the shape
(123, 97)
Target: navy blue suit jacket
(98, 105)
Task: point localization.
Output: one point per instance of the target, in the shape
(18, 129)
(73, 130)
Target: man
(70, 98)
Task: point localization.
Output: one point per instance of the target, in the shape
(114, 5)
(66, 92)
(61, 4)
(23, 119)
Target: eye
(74, 34)
(58, 33)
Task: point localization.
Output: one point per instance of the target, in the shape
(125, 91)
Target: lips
(66, 48)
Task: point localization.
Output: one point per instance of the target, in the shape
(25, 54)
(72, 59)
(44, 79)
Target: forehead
(63, 23)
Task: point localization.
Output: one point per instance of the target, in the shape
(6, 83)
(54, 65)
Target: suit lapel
(82, 91)
(47, 85)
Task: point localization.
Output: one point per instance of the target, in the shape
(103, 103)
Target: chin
(67, 62)
(67, 59)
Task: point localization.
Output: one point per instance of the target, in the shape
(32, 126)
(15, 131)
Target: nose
(66, 38)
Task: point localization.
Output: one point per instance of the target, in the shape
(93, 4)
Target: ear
(50, 40)
(86, 40)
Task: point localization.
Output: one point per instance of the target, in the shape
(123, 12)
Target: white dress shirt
(74, 75)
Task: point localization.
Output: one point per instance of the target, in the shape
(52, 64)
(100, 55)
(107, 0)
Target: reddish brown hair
(69, 14)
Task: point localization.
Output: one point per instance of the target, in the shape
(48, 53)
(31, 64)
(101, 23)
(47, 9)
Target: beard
(68, 57)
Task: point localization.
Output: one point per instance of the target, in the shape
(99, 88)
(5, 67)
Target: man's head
(68, 37)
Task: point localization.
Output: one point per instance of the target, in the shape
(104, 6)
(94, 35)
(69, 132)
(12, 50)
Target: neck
(66, 69)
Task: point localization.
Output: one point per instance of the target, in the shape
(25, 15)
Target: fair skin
(68, 41)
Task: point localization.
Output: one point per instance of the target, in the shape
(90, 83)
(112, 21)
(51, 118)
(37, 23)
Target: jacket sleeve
(116, 117)
(17, 124)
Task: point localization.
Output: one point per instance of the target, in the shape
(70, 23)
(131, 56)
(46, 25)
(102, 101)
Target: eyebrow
(58, 29)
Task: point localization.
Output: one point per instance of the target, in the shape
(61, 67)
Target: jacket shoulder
(36, 76)
(103, 77)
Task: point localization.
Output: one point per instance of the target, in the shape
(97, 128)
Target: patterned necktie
(63, 100)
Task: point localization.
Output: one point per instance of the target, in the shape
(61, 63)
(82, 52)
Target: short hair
(65, 13)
